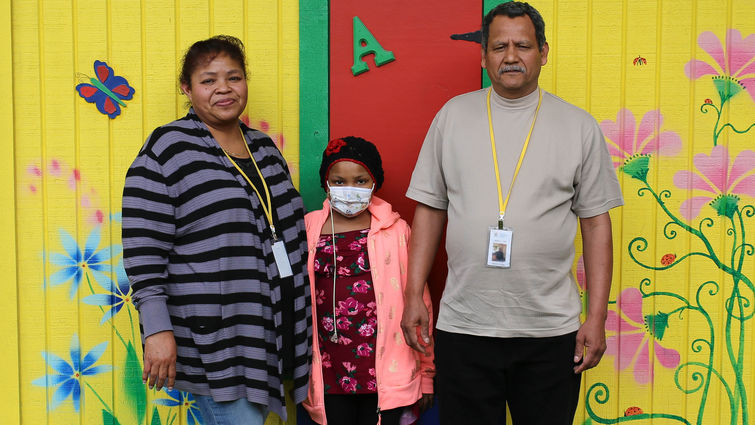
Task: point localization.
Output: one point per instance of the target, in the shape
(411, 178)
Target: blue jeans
(241, 411)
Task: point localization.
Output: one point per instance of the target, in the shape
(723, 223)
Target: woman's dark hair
(204, 51)
(514, 9)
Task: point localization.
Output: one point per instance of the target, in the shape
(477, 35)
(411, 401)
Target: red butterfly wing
(102, 70)
(87, 91)
(122, 90)
(109, 105)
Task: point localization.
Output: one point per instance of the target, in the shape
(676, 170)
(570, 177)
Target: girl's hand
(425, 403)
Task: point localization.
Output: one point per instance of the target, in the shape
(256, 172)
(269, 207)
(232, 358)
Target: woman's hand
(160, 360)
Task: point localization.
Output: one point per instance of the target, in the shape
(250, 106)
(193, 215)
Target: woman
(215, 250)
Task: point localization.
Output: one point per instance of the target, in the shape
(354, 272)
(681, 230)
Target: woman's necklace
(234, 154)
(243, 154)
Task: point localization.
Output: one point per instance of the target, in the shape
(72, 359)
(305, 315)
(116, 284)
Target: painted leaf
(133, 388)
(155, 417)
(108, 418)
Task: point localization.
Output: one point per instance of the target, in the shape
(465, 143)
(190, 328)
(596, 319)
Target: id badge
(499, 248)
(281, 259)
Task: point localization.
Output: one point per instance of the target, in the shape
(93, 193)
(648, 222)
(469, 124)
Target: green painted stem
(716, 131)
(602, 397)
(710, 251)
(738, 369)
(102, 310)
(131, 321)
(109, 410)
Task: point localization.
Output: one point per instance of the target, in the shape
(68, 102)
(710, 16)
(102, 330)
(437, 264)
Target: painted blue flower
(68, 376)
(119, 295)
(185, 399)
(76, 264)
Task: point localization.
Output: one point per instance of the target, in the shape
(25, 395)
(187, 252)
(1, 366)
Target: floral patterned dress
(347, 341)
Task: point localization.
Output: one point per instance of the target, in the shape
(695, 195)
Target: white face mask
(348, 200)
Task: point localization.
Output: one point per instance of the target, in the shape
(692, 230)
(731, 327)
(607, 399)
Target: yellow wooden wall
(611, 55)
(64, 165)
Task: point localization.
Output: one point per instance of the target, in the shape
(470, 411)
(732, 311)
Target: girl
(362, 370)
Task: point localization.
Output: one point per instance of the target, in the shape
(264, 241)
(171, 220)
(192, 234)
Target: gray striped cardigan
(197, 251)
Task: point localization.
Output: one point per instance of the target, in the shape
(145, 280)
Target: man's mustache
(512, 68)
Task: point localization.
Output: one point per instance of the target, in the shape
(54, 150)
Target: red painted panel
(393, 105)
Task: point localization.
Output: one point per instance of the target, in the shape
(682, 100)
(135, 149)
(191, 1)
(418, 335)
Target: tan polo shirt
(566, 173)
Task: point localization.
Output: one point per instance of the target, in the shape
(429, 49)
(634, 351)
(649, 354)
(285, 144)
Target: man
(510, 331)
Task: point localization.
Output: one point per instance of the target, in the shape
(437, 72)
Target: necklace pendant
(334, 338)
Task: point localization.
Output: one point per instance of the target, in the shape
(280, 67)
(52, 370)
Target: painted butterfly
(107, 91)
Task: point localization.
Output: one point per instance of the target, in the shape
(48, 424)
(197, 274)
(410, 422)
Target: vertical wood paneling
(313, 95)
(67, 165)
(9, 318)
(64, 161)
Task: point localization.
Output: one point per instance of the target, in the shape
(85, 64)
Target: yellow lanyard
(268, 209)
(502, 203)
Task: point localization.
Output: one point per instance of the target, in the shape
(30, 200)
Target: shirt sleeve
(596, 185)
(428, 185)
(148, 229)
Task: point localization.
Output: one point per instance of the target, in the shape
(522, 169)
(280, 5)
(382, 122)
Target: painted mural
(672, 86)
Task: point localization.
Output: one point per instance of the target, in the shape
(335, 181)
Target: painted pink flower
(360, 286)
(326, 360)
(349, 307)
(627, 139)
(733, 68)
(634, 336)
(348, 384)
(367, 329)
(372, 385)
(722, 180)
(327, 323)
(364, 350)
(343, 323)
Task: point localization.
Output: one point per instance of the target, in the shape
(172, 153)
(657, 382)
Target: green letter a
(364, 44)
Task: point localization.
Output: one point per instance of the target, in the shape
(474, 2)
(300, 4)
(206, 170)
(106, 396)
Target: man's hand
(427, 229)
(591, 338)
(160, 360)
(415, 316)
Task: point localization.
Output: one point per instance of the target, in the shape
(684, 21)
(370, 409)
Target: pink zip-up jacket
(403, 374)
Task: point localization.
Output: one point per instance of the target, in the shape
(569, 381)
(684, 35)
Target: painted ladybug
(708, 101)
(634, 410)
(668, 259)
(639, 61)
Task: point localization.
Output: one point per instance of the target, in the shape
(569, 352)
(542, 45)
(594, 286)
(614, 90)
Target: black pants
(358, 409)
(477, 376)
